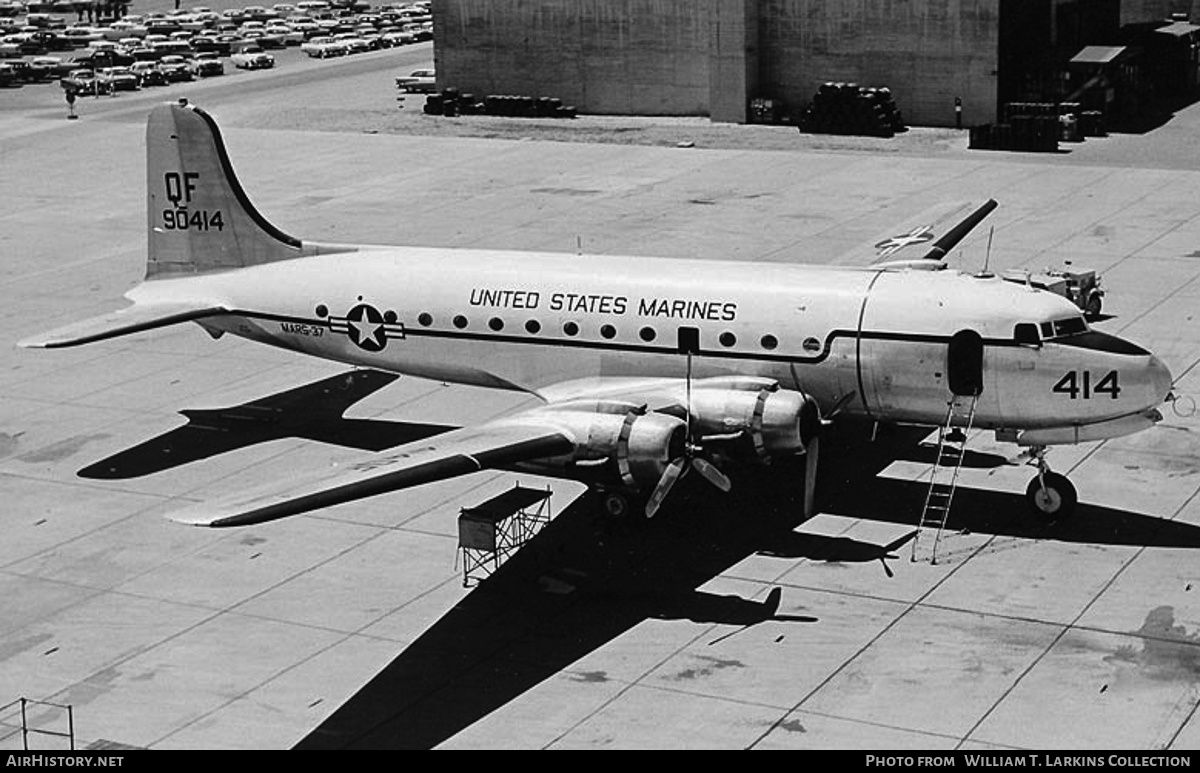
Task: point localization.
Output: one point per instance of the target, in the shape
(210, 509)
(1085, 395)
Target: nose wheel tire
(1051, 496)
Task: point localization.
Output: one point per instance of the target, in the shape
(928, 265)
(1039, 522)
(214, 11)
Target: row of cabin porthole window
(571, 328)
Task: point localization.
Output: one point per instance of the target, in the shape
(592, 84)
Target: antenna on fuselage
(987, 256)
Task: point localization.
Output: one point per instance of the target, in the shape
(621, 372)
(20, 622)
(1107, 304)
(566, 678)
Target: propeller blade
(669, 477)
(810, 477)
(712, 474)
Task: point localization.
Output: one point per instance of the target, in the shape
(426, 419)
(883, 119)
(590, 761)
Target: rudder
(200, 219)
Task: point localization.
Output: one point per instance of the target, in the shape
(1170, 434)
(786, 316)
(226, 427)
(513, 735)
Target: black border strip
(576, 343)
(236, 186)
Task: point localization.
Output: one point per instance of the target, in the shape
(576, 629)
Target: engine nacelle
(640, 445)
(778, 421)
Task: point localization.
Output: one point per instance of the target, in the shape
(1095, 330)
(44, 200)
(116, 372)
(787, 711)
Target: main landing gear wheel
(1051, 496)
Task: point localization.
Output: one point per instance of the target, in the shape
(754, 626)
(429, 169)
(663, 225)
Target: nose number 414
(1081, 384)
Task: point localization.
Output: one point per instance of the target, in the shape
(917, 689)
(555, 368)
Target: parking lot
(153, 48)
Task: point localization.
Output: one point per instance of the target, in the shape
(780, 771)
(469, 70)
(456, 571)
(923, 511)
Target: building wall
(646, 57)
(928, 52)
(734, 58)
(710, 57)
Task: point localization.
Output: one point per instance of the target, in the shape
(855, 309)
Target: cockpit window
(1027, 333)
(1059, 328)
(1069, 326)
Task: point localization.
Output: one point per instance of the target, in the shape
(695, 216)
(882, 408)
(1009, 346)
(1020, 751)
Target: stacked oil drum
(1091, 123)
(847, 108)
(1038, 127)
(1027, 126)
(451, 103)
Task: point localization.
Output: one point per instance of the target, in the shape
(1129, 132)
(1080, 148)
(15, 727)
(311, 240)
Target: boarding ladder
(951, 446)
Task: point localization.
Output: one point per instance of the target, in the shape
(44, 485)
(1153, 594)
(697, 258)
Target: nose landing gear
(1050, 495)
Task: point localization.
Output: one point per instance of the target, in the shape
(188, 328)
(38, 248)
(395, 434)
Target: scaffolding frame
(493, 530)
(24, 727)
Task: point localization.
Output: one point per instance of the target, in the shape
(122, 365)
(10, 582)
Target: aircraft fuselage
(526, 321)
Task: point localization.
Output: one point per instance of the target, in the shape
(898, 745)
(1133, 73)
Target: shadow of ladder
(951, 447)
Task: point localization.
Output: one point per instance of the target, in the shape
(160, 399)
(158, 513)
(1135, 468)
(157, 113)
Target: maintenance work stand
(492, 531)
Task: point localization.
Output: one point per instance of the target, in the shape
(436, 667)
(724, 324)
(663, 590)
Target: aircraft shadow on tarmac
(313, 412)
(584, 579)
(850, 485)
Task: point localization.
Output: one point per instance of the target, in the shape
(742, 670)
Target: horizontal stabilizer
(133, 319)
(929, 235)
(951, 238)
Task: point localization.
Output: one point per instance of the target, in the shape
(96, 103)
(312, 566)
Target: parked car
(175, 68)
(95, 59)
(20, 44)
(234, 15)
(421, 31)
(162, 26)
(270, 36)
(353, 42)
(9, 75)
(206, 42)
(323, 47)
(207, 64)
(178, 47)
(83, 82)
(25, 71)
(43, 40)
(397, 38)
(259, 13)
(54, 67)
(149, 74)
(312, 6)
(418, 81)
(290, 35)
(118, 79)
(122, 28)
(10, 45)
(252, 57)
(307, 29)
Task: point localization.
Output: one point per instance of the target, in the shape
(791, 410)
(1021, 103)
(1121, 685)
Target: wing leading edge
(456, 453)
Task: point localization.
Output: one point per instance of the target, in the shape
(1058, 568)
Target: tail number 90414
(1081, 384)
(194, 220)
(180, 187)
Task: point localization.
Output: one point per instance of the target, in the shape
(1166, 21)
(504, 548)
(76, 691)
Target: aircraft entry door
(964, 363)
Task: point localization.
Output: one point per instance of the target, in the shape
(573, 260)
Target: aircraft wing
(132, 319)
(929, 236)
(459, 452)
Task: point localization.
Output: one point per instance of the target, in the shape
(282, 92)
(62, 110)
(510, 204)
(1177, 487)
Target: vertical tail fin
(200, 219)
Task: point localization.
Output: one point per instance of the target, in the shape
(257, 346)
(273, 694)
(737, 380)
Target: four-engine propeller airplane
(646, 368)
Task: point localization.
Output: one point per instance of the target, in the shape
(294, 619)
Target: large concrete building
(712, 57)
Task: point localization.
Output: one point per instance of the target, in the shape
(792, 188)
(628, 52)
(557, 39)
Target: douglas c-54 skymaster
(646, 369)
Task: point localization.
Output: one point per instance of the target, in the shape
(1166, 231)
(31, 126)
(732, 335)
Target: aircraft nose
(1160, 380)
